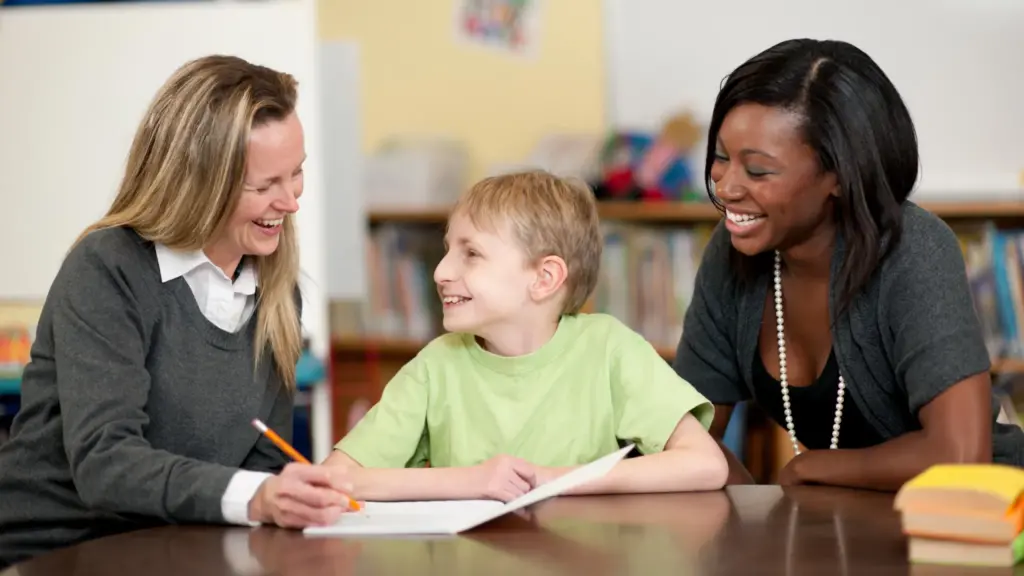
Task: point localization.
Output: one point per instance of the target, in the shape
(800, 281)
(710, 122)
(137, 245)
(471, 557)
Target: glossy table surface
(744, 530)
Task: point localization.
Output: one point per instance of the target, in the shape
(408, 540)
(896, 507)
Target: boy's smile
(449, 301)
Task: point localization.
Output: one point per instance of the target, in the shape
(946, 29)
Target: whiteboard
(345, 207)
(75, 81)
(955, 62)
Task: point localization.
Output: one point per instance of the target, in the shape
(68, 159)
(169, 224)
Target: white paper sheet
(455, 516)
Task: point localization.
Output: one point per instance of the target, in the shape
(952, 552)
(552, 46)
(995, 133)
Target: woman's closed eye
(757, 172)
(752, 171)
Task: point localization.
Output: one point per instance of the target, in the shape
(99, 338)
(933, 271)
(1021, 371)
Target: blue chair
(736, 431)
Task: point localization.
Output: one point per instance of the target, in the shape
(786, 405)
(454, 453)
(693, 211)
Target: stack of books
(964, 515)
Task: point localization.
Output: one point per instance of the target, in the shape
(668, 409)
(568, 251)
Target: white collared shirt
(228, 305)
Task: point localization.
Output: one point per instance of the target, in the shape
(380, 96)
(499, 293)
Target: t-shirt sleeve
(391, 434)
(706, 355)
(649, 399)
(937, 339)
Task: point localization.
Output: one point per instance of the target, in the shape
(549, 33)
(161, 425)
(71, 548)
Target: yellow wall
(419, 80)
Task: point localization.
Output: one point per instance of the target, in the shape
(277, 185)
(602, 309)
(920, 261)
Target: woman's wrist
(256, 508)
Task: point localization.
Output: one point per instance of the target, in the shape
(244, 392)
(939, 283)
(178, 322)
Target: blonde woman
(173, 322)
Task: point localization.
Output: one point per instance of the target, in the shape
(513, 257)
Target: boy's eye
(472, 253)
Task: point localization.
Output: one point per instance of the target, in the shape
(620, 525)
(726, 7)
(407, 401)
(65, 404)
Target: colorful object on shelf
(639, 166)
(15, 347)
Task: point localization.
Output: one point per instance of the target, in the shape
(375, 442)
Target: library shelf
(1008, 366)
(701, 212)
(654, 212)
(355, 346)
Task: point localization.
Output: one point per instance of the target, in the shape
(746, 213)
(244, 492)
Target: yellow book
(964, 514)
(981, 488)
(949, 552)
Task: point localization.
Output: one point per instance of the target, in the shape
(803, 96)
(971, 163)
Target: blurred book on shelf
(995, 271)
(647, 277)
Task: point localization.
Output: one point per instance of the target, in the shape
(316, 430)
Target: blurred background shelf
(703, 212)
(355, 347)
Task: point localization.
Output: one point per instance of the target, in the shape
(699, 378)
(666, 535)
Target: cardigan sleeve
(100, 347)
(706, 355)
(936, 337)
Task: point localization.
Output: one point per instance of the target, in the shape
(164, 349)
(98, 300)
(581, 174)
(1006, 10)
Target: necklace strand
(784, 380)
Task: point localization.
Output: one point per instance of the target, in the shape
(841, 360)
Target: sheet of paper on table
(455, 516)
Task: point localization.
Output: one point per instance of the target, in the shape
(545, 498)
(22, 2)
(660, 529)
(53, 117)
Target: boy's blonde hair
(549, 216)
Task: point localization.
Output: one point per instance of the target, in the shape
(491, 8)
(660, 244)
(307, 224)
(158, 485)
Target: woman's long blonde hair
(185, 173)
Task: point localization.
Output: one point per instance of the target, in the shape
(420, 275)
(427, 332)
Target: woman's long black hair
(860, 128)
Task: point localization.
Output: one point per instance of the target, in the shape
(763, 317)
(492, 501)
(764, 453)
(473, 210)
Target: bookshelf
(361, 366)
(690, 213)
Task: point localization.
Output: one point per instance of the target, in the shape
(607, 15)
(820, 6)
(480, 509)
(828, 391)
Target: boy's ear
(551, 274)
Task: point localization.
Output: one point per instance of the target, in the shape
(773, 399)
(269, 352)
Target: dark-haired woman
(825, 296)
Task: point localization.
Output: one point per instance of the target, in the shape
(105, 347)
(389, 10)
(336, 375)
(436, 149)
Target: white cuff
(234, 505)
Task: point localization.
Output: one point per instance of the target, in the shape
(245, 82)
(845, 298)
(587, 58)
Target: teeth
(453, 299)
(270, 223)
(746, 219)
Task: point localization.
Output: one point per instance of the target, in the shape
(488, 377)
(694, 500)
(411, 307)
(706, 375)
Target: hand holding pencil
(303, 494)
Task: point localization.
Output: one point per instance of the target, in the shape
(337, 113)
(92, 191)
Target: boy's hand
(301, 495)
(502, 478)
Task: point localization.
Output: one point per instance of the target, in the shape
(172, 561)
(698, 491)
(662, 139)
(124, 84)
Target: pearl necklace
(784, 381)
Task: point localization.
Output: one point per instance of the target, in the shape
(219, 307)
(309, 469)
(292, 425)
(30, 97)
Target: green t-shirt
(594, 384)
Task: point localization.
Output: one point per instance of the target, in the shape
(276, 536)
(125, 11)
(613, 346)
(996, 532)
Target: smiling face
(484, 280)
(769, 180)
(273, 185)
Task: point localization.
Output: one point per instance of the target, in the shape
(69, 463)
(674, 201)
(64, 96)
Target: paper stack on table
(455, 516)
(964, 514)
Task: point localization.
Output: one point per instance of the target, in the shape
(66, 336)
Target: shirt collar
(176, 263)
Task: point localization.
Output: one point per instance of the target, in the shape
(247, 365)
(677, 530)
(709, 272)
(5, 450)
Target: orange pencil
(289, 450)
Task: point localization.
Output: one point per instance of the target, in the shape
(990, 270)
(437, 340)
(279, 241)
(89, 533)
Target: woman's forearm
(886, 466)
(738, 473)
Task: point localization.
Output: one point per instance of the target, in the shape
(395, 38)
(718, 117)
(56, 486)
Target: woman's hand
(790, 473)
(302, 495)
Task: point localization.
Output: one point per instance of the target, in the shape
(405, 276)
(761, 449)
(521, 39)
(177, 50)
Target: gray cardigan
(135, 410)
(908, 336)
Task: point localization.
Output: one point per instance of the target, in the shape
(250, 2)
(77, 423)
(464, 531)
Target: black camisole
(814, 408)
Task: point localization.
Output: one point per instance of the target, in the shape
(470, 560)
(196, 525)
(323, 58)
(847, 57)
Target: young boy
(524, 387)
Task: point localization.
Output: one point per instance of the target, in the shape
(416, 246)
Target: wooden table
(743, 530)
